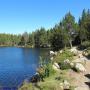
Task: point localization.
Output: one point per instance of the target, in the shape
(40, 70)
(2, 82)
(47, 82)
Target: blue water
(17, 64)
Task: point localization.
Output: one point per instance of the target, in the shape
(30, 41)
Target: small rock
(56, 66)
(84, 53)
(61, 51)
(67, 61)
(72, 64)
(74, 51)
(55, 53)
(66, 84)
(51, 53)
(51, 58)
(80, 55)
(61, 86)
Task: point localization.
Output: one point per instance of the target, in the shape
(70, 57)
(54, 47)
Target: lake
(17, 64)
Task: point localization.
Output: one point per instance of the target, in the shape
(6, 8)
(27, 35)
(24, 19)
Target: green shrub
(64, 66)
(50, 68)
(63, 56)
(66, 54)
(26, 86)
(88, 50)
(85, 44)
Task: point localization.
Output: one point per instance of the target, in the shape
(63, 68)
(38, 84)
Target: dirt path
(81, 80)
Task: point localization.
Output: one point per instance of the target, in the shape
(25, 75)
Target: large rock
(80, 67)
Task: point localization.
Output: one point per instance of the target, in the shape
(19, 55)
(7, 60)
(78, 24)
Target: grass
(50, 83)
(66, 54)
(61, 57)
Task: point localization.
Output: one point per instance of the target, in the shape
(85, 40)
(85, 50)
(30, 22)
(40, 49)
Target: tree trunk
(70, 41)
(81, 42)
(65, 47)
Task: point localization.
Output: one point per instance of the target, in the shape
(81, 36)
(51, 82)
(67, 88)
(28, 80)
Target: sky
(18, 16)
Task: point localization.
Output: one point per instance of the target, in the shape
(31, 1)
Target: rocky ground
(81, 80)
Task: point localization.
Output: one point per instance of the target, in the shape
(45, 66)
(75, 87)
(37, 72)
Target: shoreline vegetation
(61, 71)
(17, 46)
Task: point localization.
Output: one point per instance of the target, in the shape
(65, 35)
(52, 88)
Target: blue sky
(17, 16)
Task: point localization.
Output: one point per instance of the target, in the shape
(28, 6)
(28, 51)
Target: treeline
(9, 39)
(64, 34)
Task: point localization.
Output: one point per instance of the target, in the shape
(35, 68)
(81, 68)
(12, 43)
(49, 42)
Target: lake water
(17, 64)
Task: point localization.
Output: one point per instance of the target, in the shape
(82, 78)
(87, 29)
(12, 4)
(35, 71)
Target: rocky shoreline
(76, 74)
